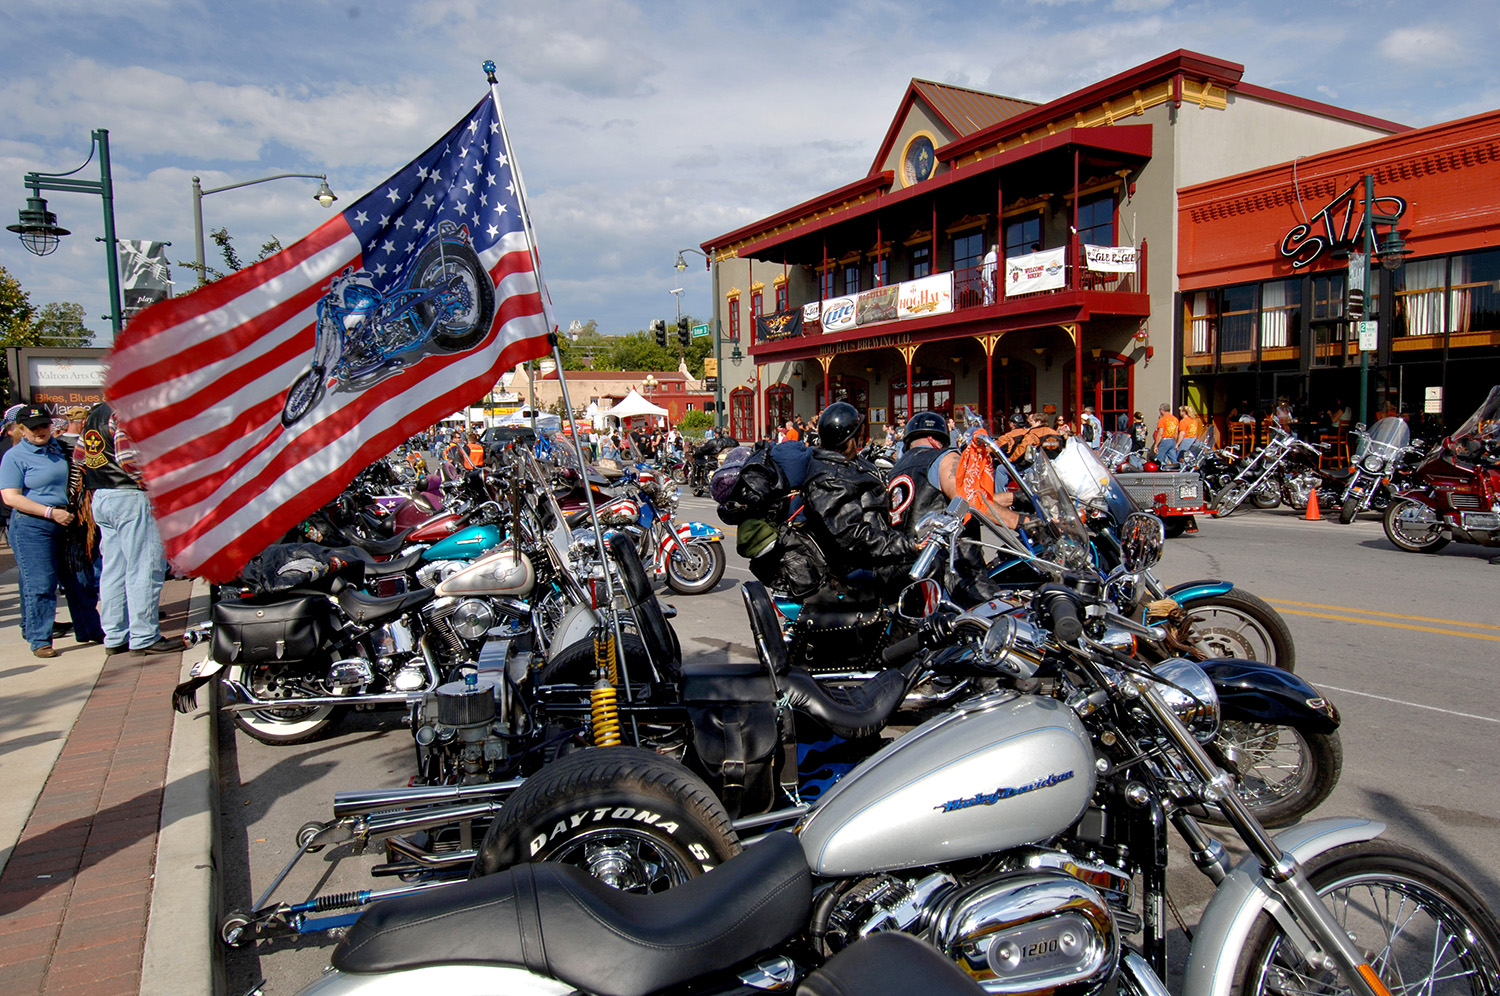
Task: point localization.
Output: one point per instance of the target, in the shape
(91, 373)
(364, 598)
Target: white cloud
(1425, 45)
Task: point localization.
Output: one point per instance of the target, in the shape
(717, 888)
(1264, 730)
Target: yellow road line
(1392, 625)
(1386, 615)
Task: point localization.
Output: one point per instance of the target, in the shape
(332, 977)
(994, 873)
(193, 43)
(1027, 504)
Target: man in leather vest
(135, 563)
(925, 479)
(848, 509)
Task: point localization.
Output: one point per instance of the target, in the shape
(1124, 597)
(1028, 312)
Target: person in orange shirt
(476, 451)
(792, 435)
(1166, 435)
(1189, 432)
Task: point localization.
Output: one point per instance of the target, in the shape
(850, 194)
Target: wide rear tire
(631, 818)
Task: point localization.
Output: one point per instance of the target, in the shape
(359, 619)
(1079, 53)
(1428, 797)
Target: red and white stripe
(200, 382)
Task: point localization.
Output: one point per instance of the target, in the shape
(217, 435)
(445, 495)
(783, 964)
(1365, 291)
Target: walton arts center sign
(57, 378)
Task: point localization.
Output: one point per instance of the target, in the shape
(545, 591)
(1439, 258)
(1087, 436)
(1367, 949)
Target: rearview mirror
(919, 600)
(1141, 540)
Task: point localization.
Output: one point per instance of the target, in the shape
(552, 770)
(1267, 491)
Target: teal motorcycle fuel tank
(469, 543)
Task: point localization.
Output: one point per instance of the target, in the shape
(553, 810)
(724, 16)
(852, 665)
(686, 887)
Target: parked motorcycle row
(592, 812)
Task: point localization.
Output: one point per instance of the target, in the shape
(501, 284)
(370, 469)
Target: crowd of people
(78, 518)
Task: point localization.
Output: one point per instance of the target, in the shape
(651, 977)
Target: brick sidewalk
(76, 892)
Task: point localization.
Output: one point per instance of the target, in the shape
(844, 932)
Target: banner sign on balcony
(1037, 271)
(874, 306)
(1110, 259)
(926, 296)
(838, 314)
(782, 325)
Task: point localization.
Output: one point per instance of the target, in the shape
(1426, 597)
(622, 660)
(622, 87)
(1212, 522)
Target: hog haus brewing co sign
(1340, 225)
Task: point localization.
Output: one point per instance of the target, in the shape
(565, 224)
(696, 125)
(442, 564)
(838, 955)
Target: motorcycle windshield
(1093, 485)
(1485, 421)
(1390, 433)
(1055, 532)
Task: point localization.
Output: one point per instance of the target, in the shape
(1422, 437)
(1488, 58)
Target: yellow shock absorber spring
(605, 714)
(606, 661)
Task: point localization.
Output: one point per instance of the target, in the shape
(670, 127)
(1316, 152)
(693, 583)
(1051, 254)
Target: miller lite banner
(909, 299)
(1037, 271)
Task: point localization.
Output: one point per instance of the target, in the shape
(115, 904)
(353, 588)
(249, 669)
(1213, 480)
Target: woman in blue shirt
(34, 483)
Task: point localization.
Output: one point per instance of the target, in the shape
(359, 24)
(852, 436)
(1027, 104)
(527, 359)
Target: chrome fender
(1241, 897)
(576, 623)
(451, 980)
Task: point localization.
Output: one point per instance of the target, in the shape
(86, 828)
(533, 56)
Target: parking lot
(1405, 646)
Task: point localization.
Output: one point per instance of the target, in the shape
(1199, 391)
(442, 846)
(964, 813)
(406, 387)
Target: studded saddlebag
(264, 629)
(735, 734)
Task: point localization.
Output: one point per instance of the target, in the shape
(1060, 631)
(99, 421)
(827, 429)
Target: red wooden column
(907, 352)
(989, 342)
(1076, 331)
(827, 360)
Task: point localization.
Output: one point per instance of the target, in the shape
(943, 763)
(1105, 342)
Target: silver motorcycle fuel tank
(502, 573)
(994, 773)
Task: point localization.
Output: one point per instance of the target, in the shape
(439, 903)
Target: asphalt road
(1405, 645)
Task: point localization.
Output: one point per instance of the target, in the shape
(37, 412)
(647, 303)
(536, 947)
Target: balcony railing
(974, 288)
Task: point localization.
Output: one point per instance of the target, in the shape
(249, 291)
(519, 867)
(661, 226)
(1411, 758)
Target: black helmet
(926, 424)
(838, 424)
(1018, 421)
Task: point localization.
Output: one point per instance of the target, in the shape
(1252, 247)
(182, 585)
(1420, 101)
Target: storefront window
(921, 261)
(1474, 301)
(1015, 390)
(778, 405)
(1023, 235)
(1419, 299)
(742, 413)
(1096, 221)
(855, 390)
(932, 391)
(1237, 314)
(1280, 314)
(1200, 326)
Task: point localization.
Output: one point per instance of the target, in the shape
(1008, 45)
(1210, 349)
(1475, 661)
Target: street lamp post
(38, 227)
(325, 196)
(1392, 252)
(713, 325)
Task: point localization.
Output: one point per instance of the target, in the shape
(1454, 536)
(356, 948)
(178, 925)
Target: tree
(16, 310)
(60, 323)
(225, 242)
(696, 420)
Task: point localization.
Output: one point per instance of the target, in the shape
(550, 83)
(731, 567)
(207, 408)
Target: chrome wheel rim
(1414, 939)
(1415, 523)
(1224, 631)
(628, 860)
(1271, 761)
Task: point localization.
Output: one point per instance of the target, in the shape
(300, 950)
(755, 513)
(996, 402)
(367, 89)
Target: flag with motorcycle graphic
(256, 399)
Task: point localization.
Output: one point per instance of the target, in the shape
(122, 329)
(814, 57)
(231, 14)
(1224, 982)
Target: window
(931, 391)
(1107, 385)
(1015, 390)
(1419, 298)
(742, 413)
(968, 250)
(1096, 221)
(1281, 314)
(855, 390)
(778, 405)
(1201, 325)
(757, 305)
(851, 278)
(1023, 235)
(734, 319)
(781, 297)
(921, 261)
(1474, 295)
(825, 284)
(1237, 313)
(882, 271)
(1328, 296)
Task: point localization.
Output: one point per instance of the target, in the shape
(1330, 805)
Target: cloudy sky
(641, 127)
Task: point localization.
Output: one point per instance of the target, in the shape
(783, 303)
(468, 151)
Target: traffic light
(684, 332)
(659, 326)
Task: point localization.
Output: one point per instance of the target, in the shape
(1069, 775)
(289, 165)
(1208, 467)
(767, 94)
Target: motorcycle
(1380, 468)
(1277, 473)
(689, 556)
(1022, 833)
(1455, 491)
(366, 332)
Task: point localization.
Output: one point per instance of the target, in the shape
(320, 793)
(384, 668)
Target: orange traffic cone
(1312, 507)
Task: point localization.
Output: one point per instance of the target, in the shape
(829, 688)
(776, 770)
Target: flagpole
(552, 340)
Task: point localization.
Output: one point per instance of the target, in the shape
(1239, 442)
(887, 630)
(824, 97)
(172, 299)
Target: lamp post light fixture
(713, 325)
(325, 196)
(38, 226)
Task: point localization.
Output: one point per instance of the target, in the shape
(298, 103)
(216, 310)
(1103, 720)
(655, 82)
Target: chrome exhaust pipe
(248, 701)
(437, 862)
(389, 824)
(361, 803)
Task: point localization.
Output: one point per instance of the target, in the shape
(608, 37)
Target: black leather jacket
(850, 515)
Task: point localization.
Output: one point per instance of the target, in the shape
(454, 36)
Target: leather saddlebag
(735, 733)
(267, 629)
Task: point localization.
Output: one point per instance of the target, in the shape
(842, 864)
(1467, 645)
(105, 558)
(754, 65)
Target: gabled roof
(961, 110)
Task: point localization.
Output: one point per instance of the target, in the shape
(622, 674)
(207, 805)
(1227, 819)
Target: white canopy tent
(634, 405)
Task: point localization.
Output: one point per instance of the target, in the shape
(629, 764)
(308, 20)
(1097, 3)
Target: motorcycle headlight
(1190, 695)
(1373, 464)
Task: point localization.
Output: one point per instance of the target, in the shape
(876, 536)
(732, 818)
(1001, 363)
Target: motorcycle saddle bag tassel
(735, 733)
(267, 629)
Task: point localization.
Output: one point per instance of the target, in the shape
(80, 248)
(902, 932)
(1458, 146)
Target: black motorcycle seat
(556, 920)
(851, 711)
(386, 568)
(578, 519)
(889, 962)
(382, 547)
(1338, 474)
(367, 610)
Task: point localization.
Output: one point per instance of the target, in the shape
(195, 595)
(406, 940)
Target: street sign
(710, 383)
(1369, 335)
(699, 331)
(1432, 401)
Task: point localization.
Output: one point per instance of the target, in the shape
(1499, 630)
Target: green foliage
(16, 310)
(696, 420)
(594, 351)
(59, 323)
(225, 242)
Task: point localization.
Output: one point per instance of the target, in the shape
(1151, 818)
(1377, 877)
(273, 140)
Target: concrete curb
(182, 953)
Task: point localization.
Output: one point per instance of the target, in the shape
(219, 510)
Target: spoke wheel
(291, 724)
(1238, 624)
(1421, 930)
(1283, 773)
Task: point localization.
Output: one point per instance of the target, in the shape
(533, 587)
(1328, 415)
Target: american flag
(245, 429)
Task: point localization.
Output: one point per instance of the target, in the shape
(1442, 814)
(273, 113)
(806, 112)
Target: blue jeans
(134, 568)
(39, 548)
(1166, 451)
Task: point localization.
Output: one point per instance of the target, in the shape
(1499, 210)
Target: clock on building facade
(919, 160)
